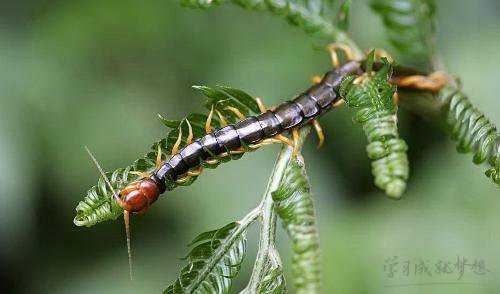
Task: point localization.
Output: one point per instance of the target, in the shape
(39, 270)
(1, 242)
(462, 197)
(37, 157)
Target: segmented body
(314, 102)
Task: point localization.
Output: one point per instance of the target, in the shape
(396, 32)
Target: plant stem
(268, 213)
(326, 27)
(219, 253)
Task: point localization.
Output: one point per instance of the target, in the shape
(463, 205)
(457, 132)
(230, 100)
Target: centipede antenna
(101, 171)
(126, 217)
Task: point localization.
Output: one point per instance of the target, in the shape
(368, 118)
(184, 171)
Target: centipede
(238, 123)
(226, 142)
(139, 195)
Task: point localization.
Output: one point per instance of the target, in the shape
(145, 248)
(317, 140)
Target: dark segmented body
(295, 113)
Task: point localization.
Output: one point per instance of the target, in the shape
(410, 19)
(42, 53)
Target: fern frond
(473, 131)
(98, 204)
(313, 16)
(295, 207)
(410, 26)
(214, 260)
(376, 112)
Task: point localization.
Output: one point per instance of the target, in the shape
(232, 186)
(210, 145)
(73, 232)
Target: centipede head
(139, 195)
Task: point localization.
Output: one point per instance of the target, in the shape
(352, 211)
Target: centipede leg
(338, 103)
(178, 142)
(237, 151)
(183, 179)
(360, 79)
(262, 106)
(236, 111)
(434, 82)
(196, 172)
(316, 79)
(319, 133)
(158, 157)
(264, 142)
(208, 122)
(212, 161)
(223, 120)
(284, 139)
(189, 139)
(334, 47)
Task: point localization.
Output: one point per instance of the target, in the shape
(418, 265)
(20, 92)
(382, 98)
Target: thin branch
(268, 214)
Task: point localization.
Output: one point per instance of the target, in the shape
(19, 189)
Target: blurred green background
(96, 73)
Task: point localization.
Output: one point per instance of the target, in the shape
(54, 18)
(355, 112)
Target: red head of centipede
(139, 195)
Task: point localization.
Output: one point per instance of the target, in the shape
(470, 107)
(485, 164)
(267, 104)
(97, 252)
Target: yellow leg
(208, 123)
(222, 118)
(158, 157)
(261, 105)
(338, 103)
(237, 151)
(183, 179)
(195, 172)
(189, 139)
(177, 144)
(359, 79)
(284, 139)
(434, 82)
(264, 143)
(334, 47)
(319, 132)
(212, 161)
(316, 79)
(238, 113)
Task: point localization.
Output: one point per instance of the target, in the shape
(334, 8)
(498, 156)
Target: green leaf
(473, 131)
(295, 207)
(223, 98)
(372, 101)
(169, 123)
(98, 204)
(213, 262)
(242, 97)
(410, 26)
